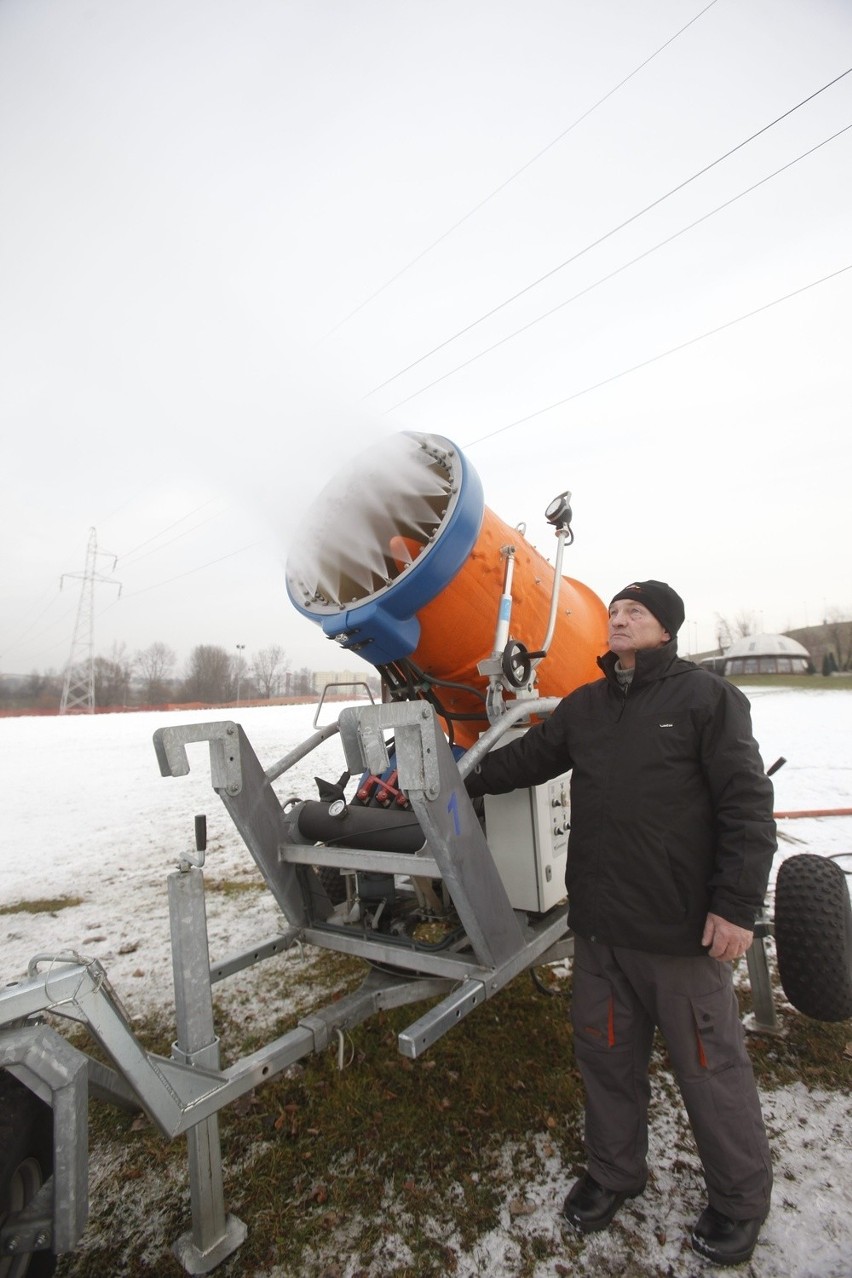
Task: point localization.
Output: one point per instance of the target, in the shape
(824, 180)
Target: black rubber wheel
(813, 936)
(26, 1161)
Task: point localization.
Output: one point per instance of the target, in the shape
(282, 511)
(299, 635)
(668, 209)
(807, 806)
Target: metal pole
(240, 650)
(764, 1019)
(214, 1234)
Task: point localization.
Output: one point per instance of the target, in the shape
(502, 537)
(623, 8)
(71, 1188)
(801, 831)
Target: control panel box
(527, 832)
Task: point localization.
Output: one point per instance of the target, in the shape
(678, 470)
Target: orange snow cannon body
(417, 585)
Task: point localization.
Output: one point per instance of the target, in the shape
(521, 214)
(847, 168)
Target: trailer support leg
(764, 1019)
(215, 1234)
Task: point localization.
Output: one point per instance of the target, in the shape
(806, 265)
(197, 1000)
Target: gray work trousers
(618, 998)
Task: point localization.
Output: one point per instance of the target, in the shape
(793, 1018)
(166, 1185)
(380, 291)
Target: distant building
(829, 642)
(714, 661)
(762, 654)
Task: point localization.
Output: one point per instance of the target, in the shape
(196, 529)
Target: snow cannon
(400, 561)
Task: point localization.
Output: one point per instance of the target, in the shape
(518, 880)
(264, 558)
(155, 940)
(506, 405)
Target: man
(671, 844)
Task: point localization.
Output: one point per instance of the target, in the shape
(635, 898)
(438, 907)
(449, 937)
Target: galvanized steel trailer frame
(183, 1094)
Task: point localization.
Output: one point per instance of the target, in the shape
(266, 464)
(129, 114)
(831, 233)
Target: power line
(618, 271)
(22, 634)
(645, 363)
(466, 217)
(177, 537)
(145, 589)
(45, 629)
(128, 501)
(157, 585)
(210, 564)
(607, 235)
(133, 594)
(142, 544)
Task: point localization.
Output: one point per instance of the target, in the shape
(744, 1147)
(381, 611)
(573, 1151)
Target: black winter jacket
(671, 808)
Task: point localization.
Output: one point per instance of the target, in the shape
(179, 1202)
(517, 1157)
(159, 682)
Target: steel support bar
(215, 1233)
(107, 1085)
(558, 953)
(764, 1019)
(521, 710)
(82, 992)
(278, 944)
(301, 752)
(56, 989)
(452, 1009)
(441, 1018)
(175, 1095)
(377, 949)
(379, 991)
(344, 858)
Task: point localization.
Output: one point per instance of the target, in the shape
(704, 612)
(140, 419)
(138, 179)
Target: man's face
(632, 627)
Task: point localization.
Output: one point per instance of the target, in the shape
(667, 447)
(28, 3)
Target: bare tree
(155, 664)
(727, 631)
(724, 635)
(112, 677)
(268, 667)
(302, 683)
(34, 691)
(745, 624)
(43, 691)
(839, 629)
(208, 675)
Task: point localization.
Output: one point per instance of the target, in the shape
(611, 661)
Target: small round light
(559, 510)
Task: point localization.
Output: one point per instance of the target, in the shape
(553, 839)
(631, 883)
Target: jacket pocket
(647, 884)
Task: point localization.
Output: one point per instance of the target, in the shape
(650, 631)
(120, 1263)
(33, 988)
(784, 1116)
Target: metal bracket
(453, 836)
(58, 1074)
(224, 738)
(362, 734)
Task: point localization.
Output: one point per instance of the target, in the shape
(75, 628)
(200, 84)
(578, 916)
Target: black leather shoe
(725, 1241)
(590, 1207)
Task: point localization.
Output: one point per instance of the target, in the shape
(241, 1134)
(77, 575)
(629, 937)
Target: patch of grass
(344, 1160)
(46, 905)
(390, 1146)
(806, 1051)
(418, 1148)
(326, 1164)
(234, 887)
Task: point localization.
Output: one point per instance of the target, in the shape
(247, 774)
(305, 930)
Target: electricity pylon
(78, 689)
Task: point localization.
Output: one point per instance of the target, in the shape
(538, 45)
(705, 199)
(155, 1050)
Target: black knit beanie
(659, 598)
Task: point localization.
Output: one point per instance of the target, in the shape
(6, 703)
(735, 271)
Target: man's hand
(726, 940)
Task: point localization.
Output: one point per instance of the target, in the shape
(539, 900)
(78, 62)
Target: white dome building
(766, 654)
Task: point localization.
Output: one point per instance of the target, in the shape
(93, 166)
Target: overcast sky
(241, 241)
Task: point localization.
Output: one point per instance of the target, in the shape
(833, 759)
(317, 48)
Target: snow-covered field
(86, 814)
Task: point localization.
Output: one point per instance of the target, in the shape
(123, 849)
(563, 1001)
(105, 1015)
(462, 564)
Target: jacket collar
(651, 663)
